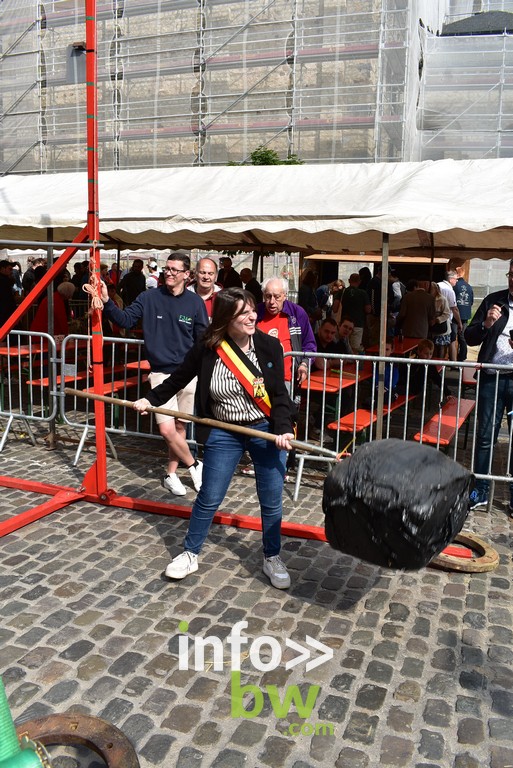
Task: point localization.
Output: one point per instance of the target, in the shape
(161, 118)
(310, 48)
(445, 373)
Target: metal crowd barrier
(448, 424)
(337, 391)
(125, 375)
(125, 372)
(28, 370)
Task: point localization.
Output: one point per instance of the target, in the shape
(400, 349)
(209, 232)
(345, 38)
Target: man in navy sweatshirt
(173, 319)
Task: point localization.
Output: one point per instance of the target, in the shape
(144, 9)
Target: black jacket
(476, 334)
(7, 300)
(200, 361)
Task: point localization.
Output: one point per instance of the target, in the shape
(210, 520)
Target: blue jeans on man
(222, 453)
(495, 395)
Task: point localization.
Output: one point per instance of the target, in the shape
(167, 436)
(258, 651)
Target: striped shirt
(230, 401)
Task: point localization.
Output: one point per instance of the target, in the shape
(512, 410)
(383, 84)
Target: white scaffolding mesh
(466, 107)
(191, 82)
(184, 82)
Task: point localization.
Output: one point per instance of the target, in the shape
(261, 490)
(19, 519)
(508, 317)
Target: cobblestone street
(421, 674)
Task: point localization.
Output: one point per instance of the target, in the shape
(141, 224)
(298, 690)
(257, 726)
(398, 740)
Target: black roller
(395, 503)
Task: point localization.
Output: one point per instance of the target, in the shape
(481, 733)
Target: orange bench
(111, 388)
(362, 419)
(444, 425)
(71, 379)
(467, 379)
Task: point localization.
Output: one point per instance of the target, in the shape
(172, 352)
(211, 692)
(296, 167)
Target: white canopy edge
(461, 206)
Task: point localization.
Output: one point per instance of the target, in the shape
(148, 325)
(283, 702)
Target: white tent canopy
(464, 207)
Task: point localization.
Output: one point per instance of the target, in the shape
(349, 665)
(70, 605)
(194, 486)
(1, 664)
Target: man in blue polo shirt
(173, 319)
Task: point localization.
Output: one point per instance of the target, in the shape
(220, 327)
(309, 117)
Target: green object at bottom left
(13, 754)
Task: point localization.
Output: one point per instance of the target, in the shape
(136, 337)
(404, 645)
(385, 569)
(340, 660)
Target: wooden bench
(76, 377)
(111, 388)
(467, 380)
(356, 422)
(444, 425)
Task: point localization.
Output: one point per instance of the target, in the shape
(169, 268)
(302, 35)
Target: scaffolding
(466, 105)
(204, 82)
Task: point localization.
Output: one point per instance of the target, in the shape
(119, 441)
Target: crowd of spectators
(420, 309)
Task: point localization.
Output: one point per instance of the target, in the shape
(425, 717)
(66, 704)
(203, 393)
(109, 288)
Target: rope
(96, 303)
(92, 290)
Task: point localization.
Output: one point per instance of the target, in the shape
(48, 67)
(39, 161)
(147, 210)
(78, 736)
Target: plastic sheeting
(396, 504)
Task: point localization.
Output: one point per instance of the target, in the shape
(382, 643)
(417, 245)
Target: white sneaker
(196, 472)
(174, 485)
(274, 568)
(182, 566)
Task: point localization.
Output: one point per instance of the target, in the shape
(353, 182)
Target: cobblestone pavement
(421, 673)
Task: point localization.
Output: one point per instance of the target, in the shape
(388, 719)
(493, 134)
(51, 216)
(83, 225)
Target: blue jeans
(223, 451)
(487, 427)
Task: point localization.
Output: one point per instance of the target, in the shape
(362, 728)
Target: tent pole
(432, 262)
(385, 247)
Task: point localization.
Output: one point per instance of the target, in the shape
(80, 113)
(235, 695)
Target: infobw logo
(264, 654)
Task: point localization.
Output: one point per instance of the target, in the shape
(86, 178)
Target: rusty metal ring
(101, 737)
(487, 557)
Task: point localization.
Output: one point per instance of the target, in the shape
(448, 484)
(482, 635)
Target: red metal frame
(95, 480)
(94, 486)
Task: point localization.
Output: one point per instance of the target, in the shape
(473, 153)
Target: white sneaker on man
(274, 569)
(182, 566)
(174, 485)
(196, 472)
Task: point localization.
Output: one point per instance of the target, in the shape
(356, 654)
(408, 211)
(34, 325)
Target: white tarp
(309, 208)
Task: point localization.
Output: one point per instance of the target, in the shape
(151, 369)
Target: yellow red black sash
(246, 373)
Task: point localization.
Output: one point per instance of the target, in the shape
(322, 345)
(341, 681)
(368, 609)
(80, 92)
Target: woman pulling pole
(240, 381)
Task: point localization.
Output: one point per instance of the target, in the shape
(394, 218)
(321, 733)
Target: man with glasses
(205, 283)
(491, 327)
(173, 319)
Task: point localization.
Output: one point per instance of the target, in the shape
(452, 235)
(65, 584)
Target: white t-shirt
(447, 290)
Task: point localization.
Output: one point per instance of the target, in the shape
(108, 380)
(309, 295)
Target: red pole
(95, 480)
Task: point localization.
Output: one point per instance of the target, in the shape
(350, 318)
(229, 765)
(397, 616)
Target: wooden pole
(298, 445)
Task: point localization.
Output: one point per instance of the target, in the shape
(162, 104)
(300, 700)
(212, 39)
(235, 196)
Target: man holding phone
(492, 328)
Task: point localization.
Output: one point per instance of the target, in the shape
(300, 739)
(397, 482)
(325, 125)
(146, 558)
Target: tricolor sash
(246, 373)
